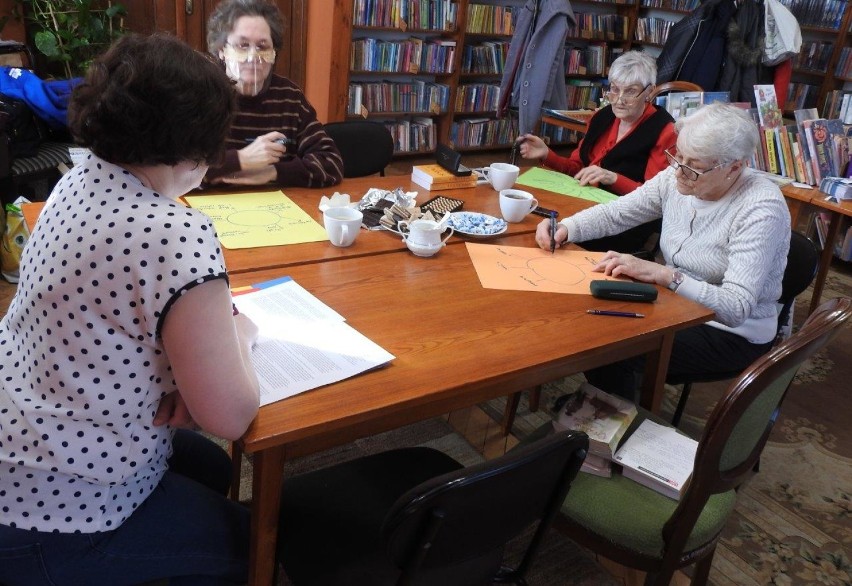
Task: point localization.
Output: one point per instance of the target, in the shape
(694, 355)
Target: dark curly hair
(153, 100)
(228, 12)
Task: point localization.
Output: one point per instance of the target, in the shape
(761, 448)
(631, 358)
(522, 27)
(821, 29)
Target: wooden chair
(675, 86)
(416, 516)
(802, 265)
(640, 528)
(366, 147)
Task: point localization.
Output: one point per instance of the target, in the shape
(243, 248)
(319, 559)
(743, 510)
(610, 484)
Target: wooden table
(838, 211)
(456, 344)
(568, 124)
(483, 198)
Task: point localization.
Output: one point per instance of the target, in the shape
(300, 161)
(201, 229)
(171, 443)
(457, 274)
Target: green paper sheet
(564, 184)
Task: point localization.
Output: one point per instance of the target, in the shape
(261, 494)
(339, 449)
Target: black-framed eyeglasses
(688, 171)
(627, 96)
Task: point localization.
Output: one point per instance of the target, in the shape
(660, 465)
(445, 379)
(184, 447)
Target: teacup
(516, 204)
(423, 237)
(342, 225)
(501, 175)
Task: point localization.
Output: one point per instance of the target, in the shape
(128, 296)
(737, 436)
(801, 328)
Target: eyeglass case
(623, 290)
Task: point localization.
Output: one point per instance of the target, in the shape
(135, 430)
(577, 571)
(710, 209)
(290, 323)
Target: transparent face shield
(248, 65)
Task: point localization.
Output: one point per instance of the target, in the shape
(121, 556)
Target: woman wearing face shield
(275, 136)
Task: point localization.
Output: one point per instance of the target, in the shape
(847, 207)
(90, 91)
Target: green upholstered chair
(637, 527)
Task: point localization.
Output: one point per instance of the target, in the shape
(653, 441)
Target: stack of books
(603, 417)
(436, 177)
(659, 457)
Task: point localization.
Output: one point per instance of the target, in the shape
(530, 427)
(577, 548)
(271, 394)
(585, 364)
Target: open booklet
(302, 344)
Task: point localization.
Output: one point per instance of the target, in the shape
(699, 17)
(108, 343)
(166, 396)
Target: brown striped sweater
(312, 159)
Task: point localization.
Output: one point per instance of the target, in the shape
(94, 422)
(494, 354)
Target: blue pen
(552, 232)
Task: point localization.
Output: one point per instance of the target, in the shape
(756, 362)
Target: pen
(236, 311)
(614, 313)
(279, 141)
(552, 232)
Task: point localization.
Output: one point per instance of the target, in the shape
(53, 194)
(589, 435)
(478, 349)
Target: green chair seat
(631, 516)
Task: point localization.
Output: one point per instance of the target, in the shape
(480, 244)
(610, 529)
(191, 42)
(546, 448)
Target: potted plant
(71, 33)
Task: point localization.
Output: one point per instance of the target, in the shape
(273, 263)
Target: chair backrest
(739, 425)
(467, 513)
(675, 86)
(802, 265)
(366, 147)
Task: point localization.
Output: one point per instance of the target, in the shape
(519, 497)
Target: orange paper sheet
(519, 268)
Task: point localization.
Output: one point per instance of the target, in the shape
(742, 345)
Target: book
(603, 417)
(711, 97)
(302, 343)
(434, 175)
(578, 116)
(659, 457)
(767, 106)
(838, 188)
(805, 141)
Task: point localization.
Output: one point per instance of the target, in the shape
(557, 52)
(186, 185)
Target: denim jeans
(185, 530)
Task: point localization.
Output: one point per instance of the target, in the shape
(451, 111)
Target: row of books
(801, 95)
(406, 14)
(842, 246)
(590, 59)
(488, 57)
(582, 92)
(412, 136)
(654, 455)
(680, 104)
(844, 63)
(680, 5)
(818, 13)
(553, 134)
(477, 97)
(483, 132)
(653, 30)
(607, 27)
(814, 56)
(406, 96)
(838, 104)
(413, 55)
(492, 20)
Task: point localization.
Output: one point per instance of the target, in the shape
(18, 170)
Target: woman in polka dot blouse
(121, 333)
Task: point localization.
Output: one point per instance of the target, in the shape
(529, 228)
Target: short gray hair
(633, 67)
(228, 12)
(717, 132)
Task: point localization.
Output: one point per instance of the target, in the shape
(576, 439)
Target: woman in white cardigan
(725, 238)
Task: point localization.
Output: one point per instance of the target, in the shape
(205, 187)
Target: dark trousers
(700, 350)
(186, 530)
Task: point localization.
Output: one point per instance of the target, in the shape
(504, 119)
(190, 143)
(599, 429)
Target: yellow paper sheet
(251, 220)
(520, 268)
(564, 184)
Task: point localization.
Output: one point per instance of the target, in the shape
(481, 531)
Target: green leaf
(46, 43)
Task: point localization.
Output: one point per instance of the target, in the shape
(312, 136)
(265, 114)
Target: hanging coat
(695, 48)
(743, 67)
(534, 76)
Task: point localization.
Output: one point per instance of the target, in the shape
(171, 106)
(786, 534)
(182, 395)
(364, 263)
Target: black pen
(279, 140)
(614, 313)
(552, 232)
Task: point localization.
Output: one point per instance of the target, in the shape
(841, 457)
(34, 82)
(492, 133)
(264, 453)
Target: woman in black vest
(623, 145)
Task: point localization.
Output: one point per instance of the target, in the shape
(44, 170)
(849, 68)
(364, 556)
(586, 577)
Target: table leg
(236, 470)
(265, 508)
(825, 259)
(656, 366)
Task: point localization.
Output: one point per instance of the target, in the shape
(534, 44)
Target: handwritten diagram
(564, 184)
(247, 220)
(520, 268)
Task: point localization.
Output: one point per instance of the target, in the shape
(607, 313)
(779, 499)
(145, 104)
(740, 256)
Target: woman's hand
(246, 330)
(173, 411)
(616, 264)
(594, 175)
(262, 152)
(542, 234)
(532, 147)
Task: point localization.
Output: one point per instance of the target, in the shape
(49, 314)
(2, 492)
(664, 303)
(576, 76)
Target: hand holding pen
(546, 234)
(262, 151)
(552, 232)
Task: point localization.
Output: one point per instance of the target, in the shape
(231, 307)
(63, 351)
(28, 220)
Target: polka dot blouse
(82, 367)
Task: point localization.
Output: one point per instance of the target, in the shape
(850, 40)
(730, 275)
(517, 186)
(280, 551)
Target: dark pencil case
(623, 291)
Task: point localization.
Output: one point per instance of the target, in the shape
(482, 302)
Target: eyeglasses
(687, 171)
(627, 96)
(244, 51)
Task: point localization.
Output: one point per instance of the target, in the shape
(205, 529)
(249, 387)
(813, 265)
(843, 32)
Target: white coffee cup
(516, 204)
(342, 225)
(501, 175)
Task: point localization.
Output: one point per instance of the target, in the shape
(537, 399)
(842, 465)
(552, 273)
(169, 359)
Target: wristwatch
(677, 279)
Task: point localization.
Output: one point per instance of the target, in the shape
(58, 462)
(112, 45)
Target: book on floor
(603, 417)
(659, 457)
